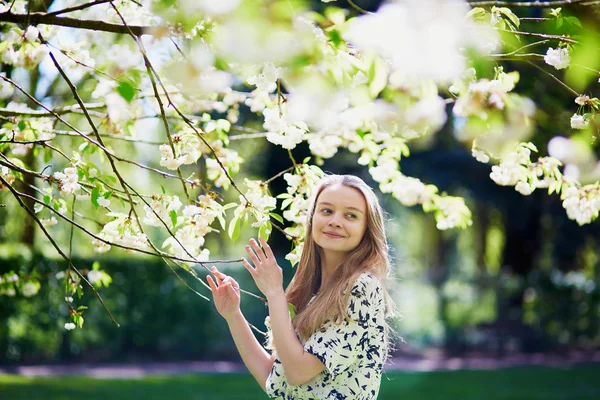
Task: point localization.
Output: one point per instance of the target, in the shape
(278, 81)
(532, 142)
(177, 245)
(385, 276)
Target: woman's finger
(219, 275)
(253, 256)
(211, 283)
(267, 249)
(259, 251)
(249, 267)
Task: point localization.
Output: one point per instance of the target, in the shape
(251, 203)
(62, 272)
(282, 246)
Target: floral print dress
(353, 352)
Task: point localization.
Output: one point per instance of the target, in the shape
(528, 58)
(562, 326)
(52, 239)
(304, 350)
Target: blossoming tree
(174, 75)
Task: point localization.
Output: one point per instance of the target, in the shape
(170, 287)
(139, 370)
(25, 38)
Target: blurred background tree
(522, 278)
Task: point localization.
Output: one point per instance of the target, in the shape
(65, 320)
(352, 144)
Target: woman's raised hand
(226, 293)
(267, 274)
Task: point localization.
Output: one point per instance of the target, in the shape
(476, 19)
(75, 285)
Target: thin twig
(357, 8)
(78, 8)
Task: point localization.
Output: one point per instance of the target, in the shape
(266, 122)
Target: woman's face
(340, 219)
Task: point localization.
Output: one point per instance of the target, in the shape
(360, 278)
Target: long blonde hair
(370, 255)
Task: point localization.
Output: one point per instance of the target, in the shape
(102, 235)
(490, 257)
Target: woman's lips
(333, 235)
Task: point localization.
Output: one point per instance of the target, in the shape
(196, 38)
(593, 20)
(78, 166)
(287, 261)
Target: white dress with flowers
(353, 352)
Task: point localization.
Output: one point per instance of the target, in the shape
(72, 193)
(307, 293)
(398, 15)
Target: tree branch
(49, 19)
(76, 108)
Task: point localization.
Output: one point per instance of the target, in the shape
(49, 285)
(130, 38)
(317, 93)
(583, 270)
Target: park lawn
(575, 383)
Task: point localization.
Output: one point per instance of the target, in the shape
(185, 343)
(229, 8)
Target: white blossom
(524, 188)
(49, 222)
(68, 180)
(558, 58)
(29, 289)
(582, 100)
(70, 326)
(480, 155)
(94, 276)
(578, 122)
(103, 202)
(32, 34)
(267, 80)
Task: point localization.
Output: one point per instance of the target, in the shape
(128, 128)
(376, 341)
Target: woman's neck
(329, 263)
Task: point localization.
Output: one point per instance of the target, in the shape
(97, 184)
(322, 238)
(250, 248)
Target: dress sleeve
(339, 346)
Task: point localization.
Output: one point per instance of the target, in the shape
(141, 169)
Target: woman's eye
(351, 216)
(326, 210)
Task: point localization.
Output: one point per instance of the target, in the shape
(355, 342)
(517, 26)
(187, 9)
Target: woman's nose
(334, 221)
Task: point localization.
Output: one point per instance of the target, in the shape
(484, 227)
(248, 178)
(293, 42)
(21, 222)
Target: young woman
(337, 344)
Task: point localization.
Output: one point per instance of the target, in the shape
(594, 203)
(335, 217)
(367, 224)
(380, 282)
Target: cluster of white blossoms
(281, 130)
(260, 199)
(487, 112)
(295, 203)
(122, 230)
(160, 209)
(230, 159)
(513, 168)
(451, 212)
(194, 225)
(25, 130)
(188, 149)
(558, 58)
(582, 203)
(299, 190)
(23, 48)
(68, 180)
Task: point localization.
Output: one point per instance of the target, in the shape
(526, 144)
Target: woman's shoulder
(367, 281)
(367, 285)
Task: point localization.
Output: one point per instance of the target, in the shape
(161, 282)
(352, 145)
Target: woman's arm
(227, 300)
(256, 358)
(299, 366)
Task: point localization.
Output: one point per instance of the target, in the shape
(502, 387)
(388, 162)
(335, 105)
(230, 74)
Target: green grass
(526, 384)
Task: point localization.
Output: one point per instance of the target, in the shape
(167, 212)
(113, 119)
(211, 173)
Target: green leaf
(173, 215)
(559, 22)
(477, 14)
(95, 195)
(126, 90)
(277, 217)
(96, 265)
(378, 76)
(162, 188)
(573, 21)
(511, 17)
(234, 228)
(265, 231)
(292, 310)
